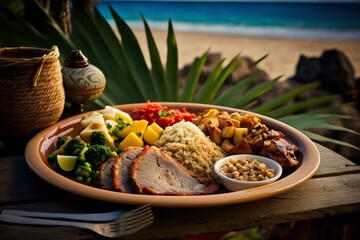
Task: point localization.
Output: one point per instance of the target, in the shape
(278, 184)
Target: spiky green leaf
(283, 99)
(215, 81)
(227, 98)
(172, 72)
(157, 70)
(290, 109)
(251, 95)
(193, 78)
(135, 59)
(320, 138)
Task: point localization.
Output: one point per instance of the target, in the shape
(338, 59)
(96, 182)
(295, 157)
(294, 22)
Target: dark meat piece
(281, 151)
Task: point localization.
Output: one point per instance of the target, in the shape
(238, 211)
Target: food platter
(42, 144)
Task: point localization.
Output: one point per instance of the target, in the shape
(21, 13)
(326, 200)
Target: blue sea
(319, 20)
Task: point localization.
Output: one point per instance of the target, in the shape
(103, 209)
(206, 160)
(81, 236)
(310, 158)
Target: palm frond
(320, 138)
(293, 108)
(253, 93)
(215, 81)
(157, 70)
(227, 98)
(311, 119)
(135, 59)
(265, 108)
(95, 50)
(193, 78)
(172, 72)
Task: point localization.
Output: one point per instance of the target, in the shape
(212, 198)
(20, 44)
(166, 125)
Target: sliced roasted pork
(122, 168)
(105, 178)
(155, 172)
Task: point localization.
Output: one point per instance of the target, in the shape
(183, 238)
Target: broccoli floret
(98, 138)
(52, 158)
(97, 154)
(60, 141)
(81, 156)
(73, 147)
(118, 150)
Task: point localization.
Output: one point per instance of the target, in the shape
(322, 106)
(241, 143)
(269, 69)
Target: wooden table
(333, 191)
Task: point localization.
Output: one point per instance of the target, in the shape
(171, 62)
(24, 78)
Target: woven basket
(32, 94)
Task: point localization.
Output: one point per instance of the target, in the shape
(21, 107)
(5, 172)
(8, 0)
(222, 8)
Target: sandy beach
(283, 53)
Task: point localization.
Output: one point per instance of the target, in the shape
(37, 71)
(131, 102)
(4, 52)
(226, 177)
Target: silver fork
(128, 223)
(89, 217)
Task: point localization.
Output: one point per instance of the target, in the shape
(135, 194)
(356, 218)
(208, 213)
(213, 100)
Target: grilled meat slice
(122, 168)
(105, 178)
(155, 172)
(281, 151)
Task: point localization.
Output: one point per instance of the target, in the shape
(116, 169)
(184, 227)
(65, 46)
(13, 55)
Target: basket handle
(53, 53)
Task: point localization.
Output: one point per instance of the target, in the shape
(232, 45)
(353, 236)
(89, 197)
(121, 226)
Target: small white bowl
(237, 185)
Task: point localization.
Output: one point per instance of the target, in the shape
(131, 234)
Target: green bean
(87, 164)
(78, 171)
(88, 180)
(88, 169)
(85, 173)
(79, 178)
(96, 174)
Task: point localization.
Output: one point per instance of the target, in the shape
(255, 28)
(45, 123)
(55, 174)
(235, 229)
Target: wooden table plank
(334, 190)
(285, 207)
(333, 163)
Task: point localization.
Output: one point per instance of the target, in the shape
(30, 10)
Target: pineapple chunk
(138, 127)
(239, 134)
(122, 131)
(236, 116)
(227, 129)
(159, 130)
(94, 117)
(211, 113)
(113, 113)
(131, 140)
(100, 127)
(150, 135)
(214, 131)
(227, 146)
(235, 122)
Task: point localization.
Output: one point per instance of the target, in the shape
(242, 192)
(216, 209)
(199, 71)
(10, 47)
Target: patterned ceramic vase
(83, 82)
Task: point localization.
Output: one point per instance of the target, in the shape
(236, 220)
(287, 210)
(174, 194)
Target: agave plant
(130, 80)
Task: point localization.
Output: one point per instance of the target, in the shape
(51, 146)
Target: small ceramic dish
(232, 184)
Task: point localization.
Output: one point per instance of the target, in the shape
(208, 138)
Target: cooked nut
(247, 170)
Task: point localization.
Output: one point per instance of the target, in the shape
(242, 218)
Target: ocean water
(261, 19)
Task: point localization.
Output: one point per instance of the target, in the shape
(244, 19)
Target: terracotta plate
(44, 142)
